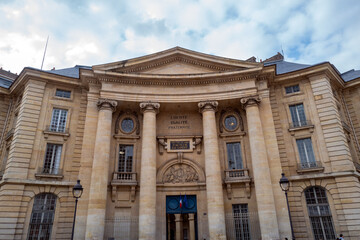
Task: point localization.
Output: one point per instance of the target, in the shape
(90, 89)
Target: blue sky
(95, 32)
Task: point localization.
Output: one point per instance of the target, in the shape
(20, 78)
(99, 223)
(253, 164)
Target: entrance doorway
(181, 217)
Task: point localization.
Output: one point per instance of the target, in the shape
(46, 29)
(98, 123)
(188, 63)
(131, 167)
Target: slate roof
(6, 78)
(286, 67)
(69, 72)
(350, 75)
(5, 83)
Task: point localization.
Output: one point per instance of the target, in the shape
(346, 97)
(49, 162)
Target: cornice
(37, 75)
(176, 80)
(177, 58)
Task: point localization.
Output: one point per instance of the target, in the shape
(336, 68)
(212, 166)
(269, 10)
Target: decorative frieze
(105, 103)
(208, 106)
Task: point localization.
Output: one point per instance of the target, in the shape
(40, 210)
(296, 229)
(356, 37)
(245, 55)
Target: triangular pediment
(177, 61)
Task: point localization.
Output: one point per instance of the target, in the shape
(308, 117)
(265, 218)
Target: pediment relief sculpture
(180, 173)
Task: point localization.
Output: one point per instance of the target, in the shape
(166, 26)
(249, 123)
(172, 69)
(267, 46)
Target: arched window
(319, 213)
(42, 216)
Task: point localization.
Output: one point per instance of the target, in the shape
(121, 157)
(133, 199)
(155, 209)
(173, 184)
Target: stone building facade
(181, 145)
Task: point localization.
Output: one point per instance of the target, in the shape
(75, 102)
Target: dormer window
(292, 89)
(62, 93)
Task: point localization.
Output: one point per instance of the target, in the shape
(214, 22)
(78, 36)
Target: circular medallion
(231, 123)
(173, 204)
(127, 125)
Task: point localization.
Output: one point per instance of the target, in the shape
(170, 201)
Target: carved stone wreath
(132, 115)
(230, 112)
(180, 173)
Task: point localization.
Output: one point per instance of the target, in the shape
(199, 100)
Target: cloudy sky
(90, 32)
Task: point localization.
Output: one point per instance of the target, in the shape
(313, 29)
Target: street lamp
(285, 185)
(77, 191)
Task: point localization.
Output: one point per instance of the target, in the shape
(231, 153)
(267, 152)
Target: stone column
(147, 200)
(261, 169)
(100, 171)
(214, 189)
(192, 226)
(178, 225)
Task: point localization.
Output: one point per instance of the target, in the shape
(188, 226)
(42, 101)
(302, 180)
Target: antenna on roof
(282, 51)
(42, 63)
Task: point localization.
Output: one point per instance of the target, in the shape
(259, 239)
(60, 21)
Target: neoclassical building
(180, 145)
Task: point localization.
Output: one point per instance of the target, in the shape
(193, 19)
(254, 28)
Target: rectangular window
(306, 153)
(62, 93)
(241, 221)
(58, 120)
(125, 158)
(292, 89)
(234, 155)
(4, 161)
(298, 115)
(52, 158)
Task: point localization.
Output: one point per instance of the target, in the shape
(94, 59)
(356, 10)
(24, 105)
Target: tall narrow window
(306, 153)
(125, 158)
(234, 155)
(52, 159)
(58, 120)
(4, 161)
(42, 217)
(241, 221)
(319, 213)
(298, 115)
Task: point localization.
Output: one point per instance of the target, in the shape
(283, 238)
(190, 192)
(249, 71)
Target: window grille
(125, 158)
(234, 155)
(319, 213)
(292, 89)
(58, 120)
(62, 93)
(42, 217)
(241, 221)
(306, 153)
(52, 158)
(298, 115)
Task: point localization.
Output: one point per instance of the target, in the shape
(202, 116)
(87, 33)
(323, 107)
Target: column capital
(149, 106)
(104, 103)
(250, 101)
(208, 106)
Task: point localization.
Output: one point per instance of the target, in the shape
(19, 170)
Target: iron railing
(56, 129)
(239, 226)
(49, 171)
(299, 124)
(309, 165)
(122, 228)
(242, 226)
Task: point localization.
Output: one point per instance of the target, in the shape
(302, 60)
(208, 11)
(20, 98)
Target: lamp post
(77, 192)
(285, 185)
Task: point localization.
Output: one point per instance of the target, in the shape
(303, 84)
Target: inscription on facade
(179, 122)
(179, 145)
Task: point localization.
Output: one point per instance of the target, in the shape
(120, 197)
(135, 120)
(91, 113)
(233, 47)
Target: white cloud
(93, 32)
